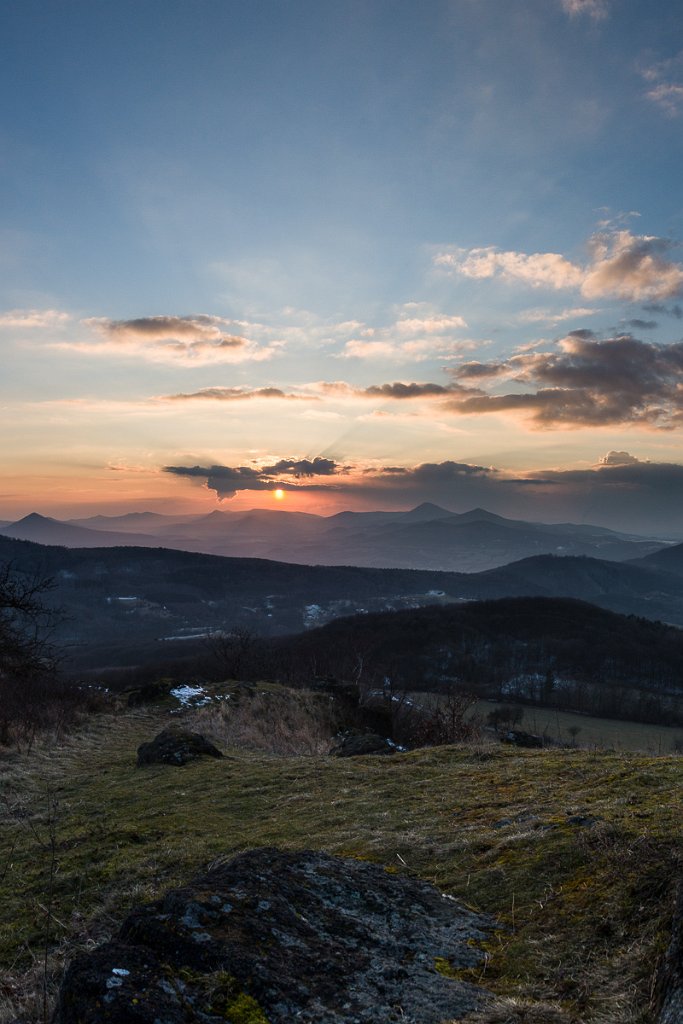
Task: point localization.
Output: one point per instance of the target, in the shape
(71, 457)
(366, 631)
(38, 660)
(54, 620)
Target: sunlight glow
(278, 494)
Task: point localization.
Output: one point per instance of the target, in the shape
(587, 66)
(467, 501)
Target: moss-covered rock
(273, 937)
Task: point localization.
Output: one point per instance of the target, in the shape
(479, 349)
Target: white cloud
(666, 84)
(548, 316)
(623, 265)
(430, 324)
(416, 350)
(596, 9)
(32, 318)
(668, 96)
(541, 269)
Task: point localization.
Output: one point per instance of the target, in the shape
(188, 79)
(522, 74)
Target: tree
(232, 652)
(27, 657)
(26, 625)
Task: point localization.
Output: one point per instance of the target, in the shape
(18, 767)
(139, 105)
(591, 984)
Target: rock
(523, 739)
(175, 746)
(356, 744)
(273, 937)
(669, 982)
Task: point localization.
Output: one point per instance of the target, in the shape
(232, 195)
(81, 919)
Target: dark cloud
(620, 492)
(226, 481)
(585, 382)
(642, 325)
(167, 328)
(400, 390)
(658, 307)
(304, 467)
(220, 394)
(194, 340)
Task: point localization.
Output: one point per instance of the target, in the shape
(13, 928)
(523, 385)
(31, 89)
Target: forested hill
(530, 647)
(121, 605)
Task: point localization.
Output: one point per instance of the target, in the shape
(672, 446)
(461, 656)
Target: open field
(601, 733)
(575, 851)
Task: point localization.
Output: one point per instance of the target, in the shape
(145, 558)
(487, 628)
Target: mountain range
(426, 537)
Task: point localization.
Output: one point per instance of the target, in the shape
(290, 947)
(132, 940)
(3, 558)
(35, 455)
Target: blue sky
(228, 229)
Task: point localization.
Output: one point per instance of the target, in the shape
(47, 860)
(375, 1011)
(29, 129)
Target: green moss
(245, 1010)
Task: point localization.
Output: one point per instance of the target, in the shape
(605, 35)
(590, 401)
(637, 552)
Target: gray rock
(309, 937)
(175, 746)
(359, 744)
(669, 988)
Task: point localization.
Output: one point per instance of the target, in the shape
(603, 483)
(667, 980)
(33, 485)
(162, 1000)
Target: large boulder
(356, 744)
(272, 937)
(176, 746)
(669, 988)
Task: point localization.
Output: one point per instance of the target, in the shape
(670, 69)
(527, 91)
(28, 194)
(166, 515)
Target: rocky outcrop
(356, 744)
(273, 937)
(175, 746)
(670, 975)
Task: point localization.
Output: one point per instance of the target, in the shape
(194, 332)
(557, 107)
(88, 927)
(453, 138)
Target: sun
(278, 494)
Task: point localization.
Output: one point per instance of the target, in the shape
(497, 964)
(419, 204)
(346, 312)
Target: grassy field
(601, 733)
(575, 851)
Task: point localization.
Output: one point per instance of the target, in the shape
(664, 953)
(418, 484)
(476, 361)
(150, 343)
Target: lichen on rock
(276, 936)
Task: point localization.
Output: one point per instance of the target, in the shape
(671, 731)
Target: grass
(593, 732)
(576, 851)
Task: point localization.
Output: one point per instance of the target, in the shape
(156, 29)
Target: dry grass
(585, 906)
(288, 723)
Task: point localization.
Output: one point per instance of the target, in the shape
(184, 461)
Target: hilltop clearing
(575, 853)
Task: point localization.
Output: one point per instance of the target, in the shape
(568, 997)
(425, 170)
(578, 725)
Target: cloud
(584, 382)
(418, 334)
(534, 316)
(429, 324)
(190, 340)
(622, 265)
(303, 467)
(541, 269)
(665, 80)
(619, 459)
(595, 9)
(632, 267)
(657, 307)
(642, 325)
(32, 318)
(416, 350)
(226, 481)
(399, 390)
(223, 394)
(620, 492)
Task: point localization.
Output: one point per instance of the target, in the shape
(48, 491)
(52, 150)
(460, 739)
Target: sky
(362, 254)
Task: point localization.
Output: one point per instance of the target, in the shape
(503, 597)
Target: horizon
(83, 521)
(348, 258)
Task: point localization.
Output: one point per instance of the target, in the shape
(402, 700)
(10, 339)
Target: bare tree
(27, 655)
(231, 652)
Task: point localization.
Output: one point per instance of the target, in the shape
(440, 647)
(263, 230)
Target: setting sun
(279, 494)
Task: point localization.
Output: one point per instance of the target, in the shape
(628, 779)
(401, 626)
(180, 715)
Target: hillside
(669, 559)
(550, 651)
(120, 604)
(574, 853)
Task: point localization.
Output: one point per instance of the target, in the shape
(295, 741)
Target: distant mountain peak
(478, 514)
(424, 513)
(35, 519)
